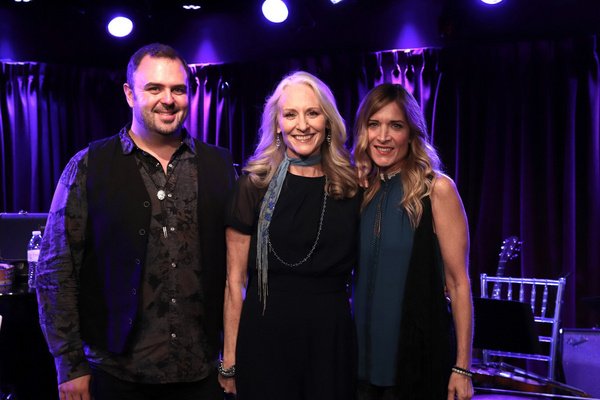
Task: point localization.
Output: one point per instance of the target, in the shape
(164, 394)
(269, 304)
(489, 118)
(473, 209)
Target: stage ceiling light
(336, 1)
(491, 1)
(120, 26)
(275, 11)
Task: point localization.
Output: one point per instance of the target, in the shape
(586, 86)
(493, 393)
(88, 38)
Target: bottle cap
(36, 232)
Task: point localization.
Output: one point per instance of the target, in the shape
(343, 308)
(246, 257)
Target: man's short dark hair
(156, 50)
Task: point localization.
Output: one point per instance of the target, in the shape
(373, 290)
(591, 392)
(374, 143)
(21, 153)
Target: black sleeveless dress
(304, 344)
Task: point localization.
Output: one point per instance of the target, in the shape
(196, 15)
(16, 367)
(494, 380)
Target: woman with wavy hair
(414, 247)
(292, 229)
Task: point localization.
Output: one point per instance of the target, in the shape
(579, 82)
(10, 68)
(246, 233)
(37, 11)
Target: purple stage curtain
(516, 125)
(47, 114)
(519, 128)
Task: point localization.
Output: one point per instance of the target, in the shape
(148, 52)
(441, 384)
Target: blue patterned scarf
(266, 213)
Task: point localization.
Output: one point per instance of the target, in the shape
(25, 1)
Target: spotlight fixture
(336, 1)
(491, 1)
(275, 11)
(191, 7)
(120, 26)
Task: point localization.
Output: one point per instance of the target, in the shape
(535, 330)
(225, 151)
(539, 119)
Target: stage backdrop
(517, 126)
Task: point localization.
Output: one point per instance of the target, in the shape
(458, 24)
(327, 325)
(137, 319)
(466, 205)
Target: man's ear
(128, 94)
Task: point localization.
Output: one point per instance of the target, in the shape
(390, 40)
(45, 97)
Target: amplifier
(581, 359)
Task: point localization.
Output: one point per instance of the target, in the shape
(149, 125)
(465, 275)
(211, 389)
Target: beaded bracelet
(462, 371)
(227, 373)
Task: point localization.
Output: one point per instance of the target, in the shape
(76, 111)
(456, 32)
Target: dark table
(26, 366)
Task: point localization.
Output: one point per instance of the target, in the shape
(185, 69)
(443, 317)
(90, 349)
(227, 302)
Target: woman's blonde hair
(421, 165)
(341, 178)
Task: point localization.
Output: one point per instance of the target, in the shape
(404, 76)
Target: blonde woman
(291, 246)
(413, 242)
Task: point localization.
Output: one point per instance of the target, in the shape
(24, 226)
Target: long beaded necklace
(160, 190)
(263, 246)
(310, 253)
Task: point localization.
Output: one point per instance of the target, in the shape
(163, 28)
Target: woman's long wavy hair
(421, 165)
(341, 178)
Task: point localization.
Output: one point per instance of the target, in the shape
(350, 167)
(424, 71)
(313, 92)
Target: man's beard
(151, 122)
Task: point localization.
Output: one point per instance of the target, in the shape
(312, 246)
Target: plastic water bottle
(33, 253)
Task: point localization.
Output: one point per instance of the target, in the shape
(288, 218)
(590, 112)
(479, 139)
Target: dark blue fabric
(379, 288)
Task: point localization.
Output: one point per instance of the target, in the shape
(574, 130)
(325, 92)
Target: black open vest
(117, 236)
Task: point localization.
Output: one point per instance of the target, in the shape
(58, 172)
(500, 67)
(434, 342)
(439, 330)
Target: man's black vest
(117, 235)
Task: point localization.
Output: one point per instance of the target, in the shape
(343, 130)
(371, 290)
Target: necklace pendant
(161, 195)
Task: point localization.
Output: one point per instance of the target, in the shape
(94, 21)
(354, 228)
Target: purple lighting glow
(275, 11)
(120, 26)
(491, 1)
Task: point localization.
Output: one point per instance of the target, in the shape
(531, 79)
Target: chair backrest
(545, 298)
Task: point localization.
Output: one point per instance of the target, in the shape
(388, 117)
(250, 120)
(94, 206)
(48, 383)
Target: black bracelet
(227, 373)
(462, 371)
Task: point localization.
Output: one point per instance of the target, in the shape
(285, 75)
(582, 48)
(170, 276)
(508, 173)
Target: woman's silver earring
(329, 139)
(278, 142)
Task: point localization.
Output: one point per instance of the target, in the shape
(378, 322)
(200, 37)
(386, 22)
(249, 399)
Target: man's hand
(76, 389)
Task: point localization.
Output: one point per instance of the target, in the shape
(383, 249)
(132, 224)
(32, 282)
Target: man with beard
(131, 273)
